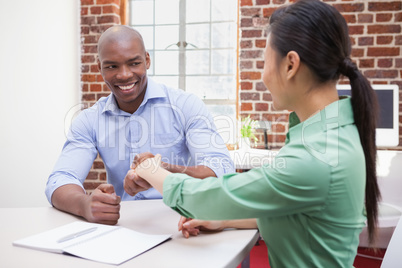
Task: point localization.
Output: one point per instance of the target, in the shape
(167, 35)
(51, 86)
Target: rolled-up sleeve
(77, 156)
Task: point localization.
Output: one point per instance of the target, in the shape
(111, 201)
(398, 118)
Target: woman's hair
(319, 34)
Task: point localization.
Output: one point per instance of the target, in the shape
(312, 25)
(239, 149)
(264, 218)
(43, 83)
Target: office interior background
(49, 73)
(374, 26)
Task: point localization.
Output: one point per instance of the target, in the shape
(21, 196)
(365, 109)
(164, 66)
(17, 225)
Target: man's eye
(110, 67)
(136, 63)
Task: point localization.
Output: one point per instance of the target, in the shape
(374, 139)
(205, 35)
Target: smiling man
(123, 63)
(140, 117)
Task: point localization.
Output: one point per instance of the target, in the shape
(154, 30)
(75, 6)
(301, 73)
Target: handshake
(144, 167)
(149, 171)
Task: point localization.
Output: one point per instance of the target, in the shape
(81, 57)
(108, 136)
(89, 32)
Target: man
(139, 117)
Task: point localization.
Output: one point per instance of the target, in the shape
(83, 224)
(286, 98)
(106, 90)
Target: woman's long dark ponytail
(365, 110)
(319, 34)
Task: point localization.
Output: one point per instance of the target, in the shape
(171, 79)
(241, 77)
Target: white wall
(39, 83)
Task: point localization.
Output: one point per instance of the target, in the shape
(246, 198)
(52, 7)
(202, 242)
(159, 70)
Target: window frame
(182, 48)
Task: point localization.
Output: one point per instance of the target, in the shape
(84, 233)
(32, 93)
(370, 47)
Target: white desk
(252, 158)
(222, 249)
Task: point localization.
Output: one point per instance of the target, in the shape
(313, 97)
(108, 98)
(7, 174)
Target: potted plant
(247, 132)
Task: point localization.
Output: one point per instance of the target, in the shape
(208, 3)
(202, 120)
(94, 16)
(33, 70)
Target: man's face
(123, 65)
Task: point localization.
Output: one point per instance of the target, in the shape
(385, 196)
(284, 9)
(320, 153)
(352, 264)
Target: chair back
(393, 255)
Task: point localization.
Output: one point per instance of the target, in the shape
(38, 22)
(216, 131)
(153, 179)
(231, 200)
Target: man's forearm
(69, 198)
(200, 171)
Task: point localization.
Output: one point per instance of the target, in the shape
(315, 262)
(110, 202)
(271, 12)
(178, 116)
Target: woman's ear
(292, 64)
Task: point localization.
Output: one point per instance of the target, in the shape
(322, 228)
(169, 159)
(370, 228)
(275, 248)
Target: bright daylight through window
(193, 46)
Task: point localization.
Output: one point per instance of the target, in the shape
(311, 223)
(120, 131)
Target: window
(193, 46)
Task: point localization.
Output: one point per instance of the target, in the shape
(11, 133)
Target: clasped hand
(143, 166)
(144, 163)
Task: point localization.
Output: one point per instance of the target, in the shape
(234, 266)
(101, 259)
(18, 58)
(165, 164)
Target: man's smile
(127, 87)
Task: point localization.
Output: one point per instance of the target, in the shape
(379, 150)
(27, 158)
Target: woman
(311, 210)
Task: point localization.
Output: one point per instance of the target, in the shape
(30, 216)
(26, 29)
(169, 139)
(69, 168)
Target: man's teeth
(127, 87)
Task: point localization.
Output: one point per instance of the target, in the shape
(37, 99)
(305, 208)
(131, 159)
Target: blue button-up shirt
(169, 122)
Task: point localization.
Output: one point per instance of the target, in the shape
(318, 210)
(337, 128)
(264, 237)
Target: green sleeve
(275, 190)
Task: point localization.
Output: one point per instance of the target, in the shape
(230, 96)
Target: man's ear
(292, 64)
(99, 64)
(148, 59)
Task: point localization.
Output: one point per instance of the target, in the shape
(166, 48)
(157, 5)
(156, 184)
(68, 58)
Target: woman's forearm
(151, 171)
(240, 224)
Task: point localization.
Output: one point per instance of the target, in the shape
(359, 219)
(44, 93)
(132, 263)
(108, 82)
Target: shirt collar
(335, 115)
(111, 104)
(153, 91)
(340, 110)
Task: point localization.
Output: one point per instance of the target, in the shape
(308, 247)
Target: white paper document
(97, 242)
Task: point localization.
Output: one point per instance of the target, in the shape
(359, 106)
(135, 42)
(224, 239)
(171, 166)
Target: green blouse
(309, 202)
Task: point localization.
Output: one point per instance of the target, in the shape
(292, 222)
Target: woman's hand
(193, 227)
(149, 171)
(148, 166)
